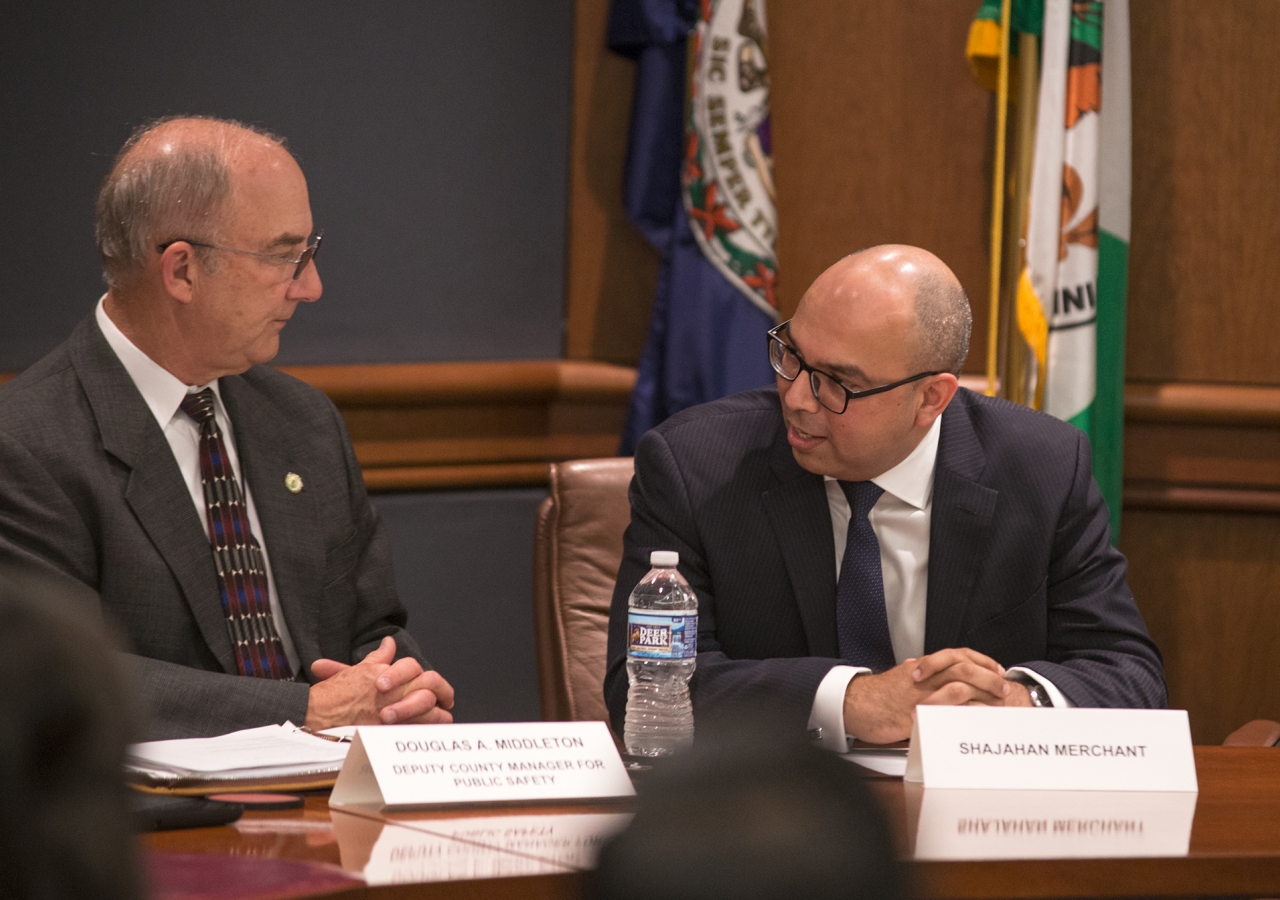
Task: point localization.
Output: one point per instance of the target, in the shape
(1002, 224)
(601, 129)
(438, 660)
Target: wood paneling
(880, 135)
(1205, 447)
(612, 270)
(1204, 301)
(1207, 586)
(1201, 404)
(426, 426)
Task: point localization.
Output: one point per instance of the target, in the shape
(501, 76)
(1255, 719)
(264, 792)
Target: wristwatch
(1039, 695)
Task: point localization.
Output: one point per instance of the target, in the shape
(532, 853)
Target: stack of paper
(276, 755)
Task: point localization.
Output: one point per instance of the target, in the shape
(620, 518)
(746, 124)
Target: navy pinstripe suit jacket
(1021, 565)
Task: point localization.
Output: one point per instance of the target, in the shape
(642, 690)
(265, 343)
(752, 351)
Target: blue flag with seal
(699, 186)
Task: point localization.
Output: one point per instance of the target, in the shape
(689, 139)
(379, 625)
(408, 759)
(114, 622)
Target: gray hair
(943, 323)
(149, 198)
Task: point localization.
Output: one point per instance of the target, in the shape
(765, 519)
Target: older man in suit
(867, 536)
(214, 504)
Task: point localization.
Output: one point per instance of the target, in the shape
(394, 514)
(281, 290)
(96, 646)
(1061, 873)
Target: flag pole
(997, 201)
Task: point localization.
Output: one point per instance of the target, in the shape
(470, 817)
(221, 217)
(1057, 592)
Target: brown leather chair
(1258, 733)
(577, 548)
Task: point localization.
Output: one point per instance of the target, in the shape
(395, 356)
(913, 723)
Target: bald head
(900, 281)
(172, 179)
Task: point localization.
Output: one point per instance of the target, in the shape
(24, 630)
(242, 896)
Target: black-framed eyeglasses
(827, 389)
(300, 262)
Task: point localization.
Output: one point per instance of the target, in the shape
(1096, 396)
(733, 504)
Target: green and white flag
(1106, 421)
(1071, 292)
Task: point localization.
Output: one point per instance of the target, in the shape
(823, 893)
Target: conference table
(984, 845)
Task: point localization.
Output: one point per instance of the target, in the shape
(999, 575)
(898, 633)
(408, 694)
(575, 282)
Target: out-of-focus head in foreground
(751, 818)
(65, 830)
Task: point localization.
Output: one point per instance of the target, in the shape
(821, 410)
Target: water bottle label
(653, 635)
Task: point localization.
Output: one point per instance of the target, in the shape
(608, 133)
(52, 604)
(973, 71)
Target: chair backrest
(1258, 733)
(577, 549)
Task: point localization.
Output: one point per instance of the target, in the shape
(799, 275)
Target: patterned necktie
(242, 576)
(861, 621)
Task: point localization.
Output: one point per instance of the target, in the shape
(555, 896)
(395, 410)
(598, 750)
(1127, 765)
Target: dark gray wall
(434, 136)
(464, 569)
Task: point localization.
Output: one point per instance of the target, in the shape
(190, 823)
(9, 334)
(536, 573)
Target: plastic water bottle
(662, 648)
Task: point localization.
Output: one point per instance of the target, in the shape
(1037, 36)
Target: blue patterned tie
(861, 621)
(237, 555)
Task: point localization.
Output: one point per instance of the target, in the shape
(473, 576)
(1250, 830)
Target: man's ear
(935, 393)
(178, 271)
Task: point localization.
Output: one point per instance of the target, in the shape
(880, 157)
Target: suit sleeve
(1099, 652)
(663, 517)
(41, 529)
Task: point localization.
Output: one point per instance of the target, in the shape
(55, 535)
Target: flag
(1070, 295)
(699, 186)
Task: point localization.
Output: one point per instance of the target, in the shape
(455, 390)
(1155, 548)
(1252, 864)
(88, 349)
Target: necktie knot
(199, 406)
(862, 495)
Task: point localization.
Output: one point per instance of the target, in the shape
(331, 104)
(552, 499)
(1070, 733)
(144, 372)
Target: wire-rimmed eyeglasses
(300, 262)
(827, 389)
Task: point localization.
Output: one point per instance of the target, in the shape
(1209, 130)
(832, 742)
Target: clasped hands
(880, 709)
(378, 690)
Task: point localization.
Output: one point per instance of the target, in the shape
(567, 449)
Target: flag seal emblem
(727, 173)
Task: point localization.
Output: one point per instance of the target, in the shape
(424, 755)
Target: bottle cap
(664, 558)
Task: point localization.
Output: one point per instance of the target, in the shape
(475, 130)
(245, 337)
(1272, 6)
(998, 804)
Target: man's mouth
(800, 439)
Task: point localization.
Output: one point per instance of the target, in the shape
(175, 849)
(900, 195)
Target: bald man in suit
(867, 536)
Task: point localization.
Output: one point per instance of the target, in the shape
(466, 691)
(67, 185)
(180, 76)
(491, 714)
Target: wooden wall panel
(1207, 586)
(417, 426)
(611, 270)
(880, 135)
(1204, 301)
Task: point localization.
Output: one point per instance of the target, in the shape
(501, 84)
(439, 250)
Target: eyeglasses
(827, 389)
(300, 263)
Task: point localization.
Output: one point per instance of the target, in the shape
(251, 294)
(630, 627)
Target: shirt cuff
(827, 715)
(1058, 698)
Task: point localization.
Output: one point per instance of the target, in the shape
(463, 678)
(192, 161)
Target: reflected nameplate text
(956, 824)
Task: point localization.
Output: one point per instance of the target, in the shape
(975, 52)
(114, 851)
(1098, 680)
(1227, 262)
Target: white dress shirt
(900, 520)
(163, 394)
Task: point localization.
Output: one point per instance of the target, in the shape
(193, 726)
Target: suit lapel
(156, 491)
(291, 532)
(963, 510)
(797, 509)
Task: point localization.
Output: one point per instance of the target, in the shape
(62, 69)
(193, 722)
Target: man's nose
(306, 288)
(798, 394)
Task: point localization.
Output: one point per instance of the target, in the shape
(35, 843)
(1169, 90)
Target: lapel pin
(293, 481)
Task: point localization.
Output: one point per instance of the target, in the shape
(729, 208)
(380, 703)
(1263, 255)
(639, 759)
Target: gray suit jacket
(89, 488)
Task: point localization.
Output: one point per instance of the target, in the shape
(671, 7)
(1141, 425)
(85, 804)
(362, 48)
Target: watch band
(1039, 696)
(1035, 690)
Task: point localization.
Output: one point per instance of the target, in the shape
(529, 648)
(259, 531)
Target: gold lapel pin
(293, 481)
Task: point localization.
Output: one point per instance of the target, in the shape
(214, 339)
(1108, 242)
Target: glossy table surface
(970, 844)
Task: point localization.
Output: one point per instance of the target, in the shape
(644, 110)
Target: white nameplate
(1052, 749)
(417, 766)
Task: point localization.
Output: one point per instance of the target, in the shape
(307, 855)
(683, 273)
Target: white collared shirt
(900, 520)
(163, 394)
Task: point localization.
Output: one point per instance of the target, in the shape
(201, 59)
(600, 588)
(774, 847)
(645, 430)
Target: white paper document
(272, 751)
(890, 761)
